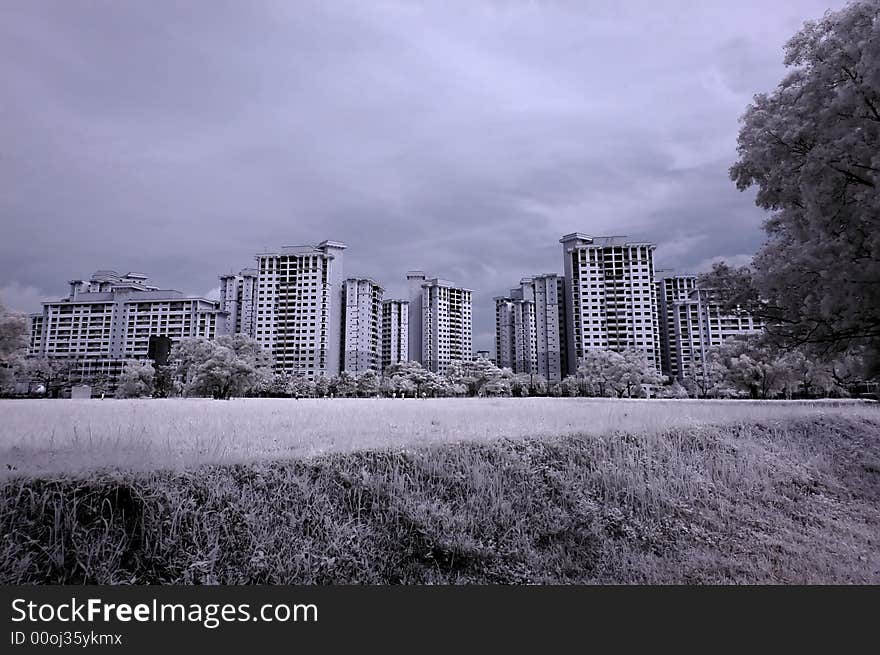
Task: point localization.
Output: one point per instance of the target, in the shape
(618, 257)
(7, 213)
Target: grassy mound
(795, 502)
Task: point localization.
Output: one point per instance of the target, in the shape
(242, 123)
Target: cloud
(22, 298)
(734, 261)
(459, 138)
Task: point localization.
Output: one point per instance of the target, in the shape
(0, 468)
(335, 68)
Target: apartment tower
(700, 323)
(610, 296)
(670, 290)
(300, 308)
(395, 332)
(109, 320)
(362, 321)
(415, 280)
(238, 297)
(444, 331)
(530, 327)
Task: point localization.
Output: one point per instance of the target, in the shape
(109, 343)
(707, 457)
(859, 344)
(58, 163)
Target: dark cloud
(461, 138)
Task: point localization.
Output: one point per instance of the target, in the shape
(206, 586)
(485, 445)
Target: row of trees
(756, 368)
(752, 367)
(235, 366)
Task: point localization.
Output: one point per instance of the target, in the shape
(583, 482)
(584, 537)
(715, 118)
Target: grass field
(39, 437)
(370, 491)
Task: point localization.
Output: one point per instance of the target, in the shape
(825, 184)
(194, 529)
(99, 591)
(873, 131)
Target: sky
(179, 139)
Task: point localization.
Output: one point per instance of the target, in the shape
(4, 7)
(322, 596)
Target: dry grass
(72, 437)
(782, 499)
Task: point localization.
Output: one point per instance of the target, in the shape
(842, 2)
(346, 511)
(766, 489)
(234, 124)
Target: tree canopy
(812, 149)
(137, 379)
(225, 367)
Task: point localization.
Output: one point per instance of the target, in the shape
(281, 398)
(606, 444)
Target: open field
(439, 491)
(784, 499)
(41, 437)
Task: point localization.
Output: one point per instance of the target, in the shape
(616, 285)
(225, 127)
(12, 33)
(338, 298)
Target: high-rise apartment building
(395, 332)
(300, 308)
(505, 331)
(362, 325)
(610, 296)
(670, 290)
(238, 298)
(444, 331)
(700, 323)
(530, 327)
(415, 280)
(110, 319)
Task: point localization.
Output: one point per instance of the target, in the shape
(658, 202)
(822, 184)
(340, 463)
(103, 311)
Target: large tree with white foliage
(812, 150)
(137, 379)
(623, 374)
(225, 367)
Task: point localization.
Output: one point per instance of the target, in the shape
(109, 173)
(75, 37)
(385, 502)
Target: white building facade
(610, 297)
(444, 331)
(299, 308)
(671, 289)
(395, 332)
(415, 280)
(109, 320)
(238, 298)
(362, 325)
(530, 327)
(700, 323)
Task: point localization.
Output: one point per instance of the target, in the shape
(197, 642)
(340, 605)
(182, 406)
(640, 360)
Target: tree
(624, 373)
(54, 374)
(435, 385)
(13, 344)
(481, 373)
(301, 387)
(754, 366)
(808, 376)
(322, 386)
(223, 367)
(412, 372)
(164, 385)
(136, 380)
(674, 390)
(404, 386)
(99, 382)
(597, 369)
(707, 378)
(539, 385)
(346, 385)
(367, 384)
(499, 386)
(570, 386)
(386, 386)
(633, 373)
(224, 375)
(188, 354)
(274, 386)
(457, 389)
(521, 385)
(457, 374)
(812, 149)
(250, 351)
(846, 373)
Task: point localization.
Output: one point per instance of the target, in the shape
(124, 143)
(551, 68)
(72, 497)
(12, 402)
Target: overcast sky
(180, 138)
